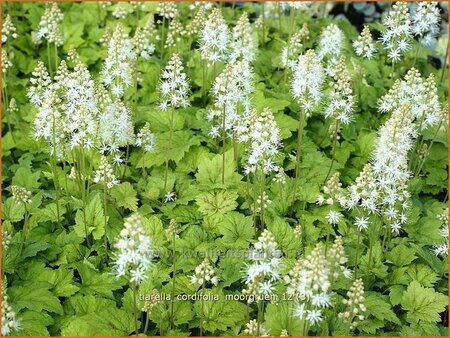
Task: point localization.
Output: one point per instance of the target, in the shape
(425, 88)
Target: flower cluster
(49, 26)
(120, 11)
(294, 47)
(80, 109)
(40, 84)
(390, 165)
(310, 280)
(119, 65)
(194, 26)
(442, 249)
(354, 304)
(242, 44)
(263, 136)
(152, 302)
(6, 62)
(204, 274)
(341, 100)
(21, 195)
(167, 9)
(262, 202)
(397, 37)
(253, 328)
(264, 270)
(105, 174)
(214, 38)
(8, 30)
(425, 22)
(420, 95)
(332, 190)
(173, 228)
(145, 138)
(331, 41)
(116, 127)
(365, 45)
(174, 86)
(6, 239)
(308, 76)
(231, 91)
(174, 33)
(10, 323)
(135, 252)
(142, 44)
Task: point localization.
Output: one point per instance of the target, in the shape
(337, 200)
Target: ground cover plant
(224, 169)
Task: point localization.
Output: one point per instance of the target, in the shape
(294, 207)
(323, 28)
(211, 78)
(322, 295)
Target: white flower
(204, 274)
(105, 174)
(321, 300)
(362, 223)
(10, 323)
(333, 217)
(242, 44)
(364, 44)
(118, 67)
(214, 38)
(145, 139)
(49, 26)
(398, 30)
(134, 251)
(425, 22)
(330, 41)
(174, 85)
(263, 137)
(300, 311)
(231, 92)
(8, 30)
(313, 316)
(170, 196)
(308, 77)
(341, 100)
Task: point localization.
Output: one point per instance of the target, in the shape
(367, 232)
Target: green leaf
(96, 283)
(34, 323)
(35, 296)
(94, 220)
(217, 202)
(423, 304)
(379, 308)
(175, 148)
(24, 177)
(220, 314)
(125, 196)
(401, 255)
(423, 274)
(279, 317)
(237, 230)
(96, 316)
(210, 171)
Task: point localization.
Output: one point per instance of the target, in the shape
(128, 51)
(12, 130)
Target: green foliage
(58, 266)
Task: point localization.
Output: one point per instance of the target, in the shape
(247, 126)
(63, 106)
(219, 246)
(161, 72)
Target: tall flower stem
(173, 282)
(203, 306)
(224, 139)
(333, 155)
(24, 235)
(358, 243)
(162, 36)
(301, 125)
(55, 172)
(445, 63)
(263, 195)
(105, 204)
(170, 145)
(136, 328)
